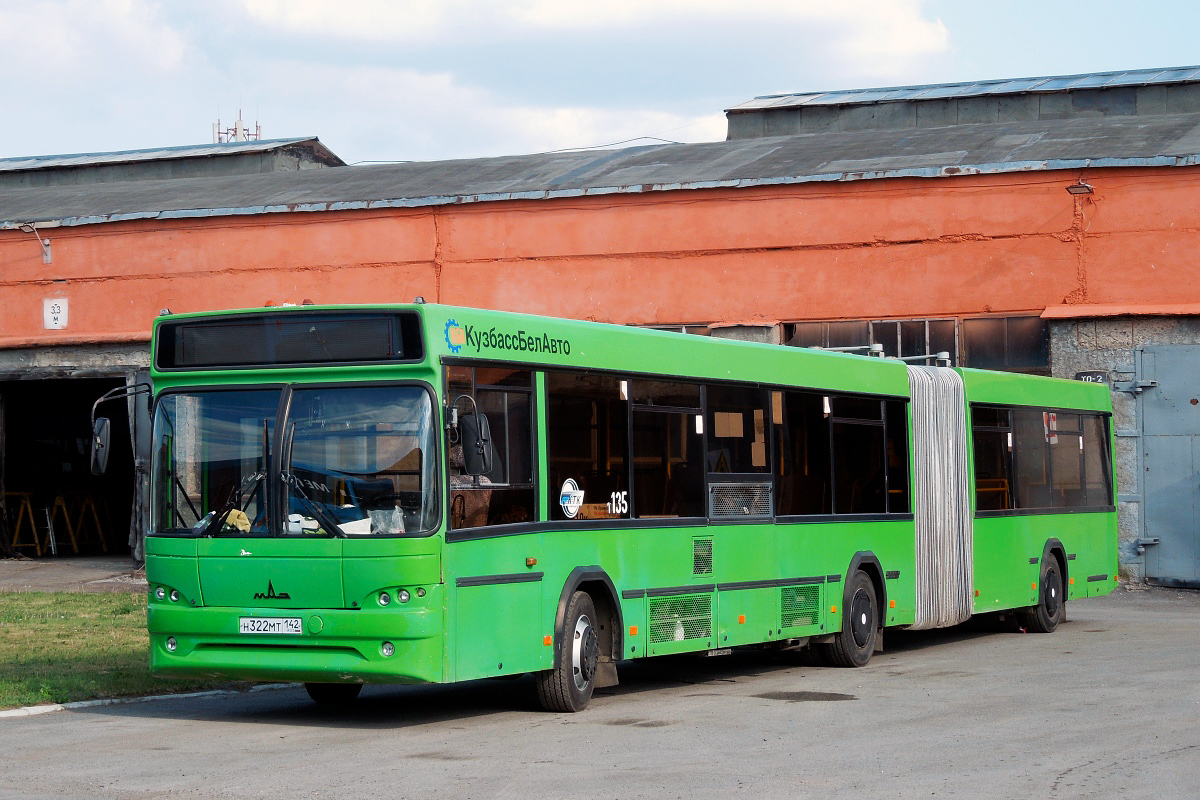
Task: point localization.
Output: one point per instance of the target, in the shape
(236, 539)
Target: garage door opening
(55, 506)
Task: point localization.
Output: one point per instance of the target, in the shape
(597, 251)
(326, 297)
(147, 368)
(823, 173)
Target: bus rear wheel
(333, 694)
(1045, 616)
(855, 643)
(569, 686)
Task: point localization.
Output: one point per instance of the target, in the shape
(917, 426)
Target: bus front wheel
(1045, 616)
(854, 644)
(569, 686)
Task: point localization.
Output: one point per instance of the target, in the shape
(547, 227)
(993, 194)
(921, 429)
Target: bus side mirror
(100, 433)
(476, 444)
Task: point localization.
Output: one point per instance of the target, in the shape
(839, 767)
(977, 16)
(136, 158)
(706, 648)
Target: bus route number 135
(618, 503)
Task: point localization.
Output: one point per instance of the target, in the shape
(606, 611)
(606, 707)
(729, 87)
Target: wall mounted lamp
(1080, 187)
(29, 227)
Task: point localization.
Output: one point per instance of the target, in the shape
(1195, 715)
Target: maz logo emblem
(270, 595)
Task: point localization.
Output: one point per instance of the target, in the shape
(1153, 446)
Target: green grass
(61, 647)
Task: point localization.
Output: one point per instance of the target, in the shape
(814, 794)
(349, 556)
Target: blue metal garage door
(1170, 416)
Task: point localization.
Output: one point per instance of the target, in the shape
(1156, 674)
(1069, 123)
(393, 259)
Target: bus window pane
(505, 494)
(802, 463)
(501, 376)
(897, 457)
(858, 469)
(993, 469)
(865, 408)
(1028, 343)
(1066, 456)
(1096, 461)
(737, 430)
(361, 457)
(587, 439)
(668, 474)
(984, 340)
(1029, 442)
(666, 393)
(988, 417)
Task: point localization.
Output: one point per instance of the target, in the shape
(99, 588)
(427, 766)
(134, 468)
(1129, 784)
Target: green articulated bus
(422, 493)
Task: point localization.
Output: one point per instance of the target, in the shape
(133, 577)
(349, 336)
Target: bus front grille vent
(726, 500)
(702, 556)
(799, 605)
(680, 618)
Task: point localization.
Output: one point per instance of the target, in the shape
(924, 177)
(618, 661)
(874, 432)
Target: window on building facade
(1013, 344)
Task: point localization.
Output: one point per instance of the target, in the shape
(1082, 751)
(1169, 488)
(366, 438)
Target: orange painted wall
(885, 248)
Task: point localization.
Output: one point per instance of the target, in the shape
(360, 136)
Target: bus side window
(668, 449)
(1032, 467)
(802, 460)
(859, 456)
(993, 436)
(587, 445)
(505, 493)
(1097, 461)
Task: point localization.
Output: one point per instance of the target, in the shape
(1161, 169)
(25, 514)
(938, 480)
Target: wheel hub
(585, 653)
(862, 619)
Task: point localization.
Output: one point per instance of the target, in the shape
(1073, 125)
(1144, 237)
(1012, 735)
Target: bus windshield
(357, 461)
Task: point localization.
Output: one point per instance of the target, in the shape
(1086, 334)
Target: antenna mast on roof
(238, 133)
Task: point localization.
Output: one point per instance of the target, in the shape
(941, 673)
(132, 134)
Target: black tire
(333, 694)
(1048, 613)
(569, 686)
(854, 644)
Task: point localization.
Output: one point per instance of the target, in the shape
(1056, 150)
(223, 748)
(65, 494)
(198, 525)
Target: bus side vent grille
(727, 500)
(679, 618)
(702, 556)
(799, 605)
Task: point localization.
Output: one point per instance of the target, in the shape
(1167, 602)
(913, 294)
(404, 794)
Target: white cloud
(79, 37)
(416, 116)
(860, 28)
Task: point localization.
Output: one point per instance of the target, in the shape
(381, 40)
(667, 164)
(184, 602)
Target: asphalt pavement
(1106, 707)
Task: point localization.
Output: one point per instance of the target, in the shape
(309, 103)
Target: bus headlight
(402, 595)
(172, 644)
(388, 649)
(385, 599)
(160, 593)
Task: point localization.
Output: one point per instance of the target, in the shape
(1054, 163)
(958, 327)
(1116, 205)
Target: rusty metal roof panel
(1051, 83)
(152, 154)
(1166, 140)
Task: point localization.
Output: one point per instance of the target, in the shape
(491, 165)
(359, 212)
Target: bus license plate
(270, 625)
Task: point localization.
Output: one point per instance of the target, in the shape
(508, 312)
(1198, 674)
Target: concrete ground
(1105, 709)
(72, 574)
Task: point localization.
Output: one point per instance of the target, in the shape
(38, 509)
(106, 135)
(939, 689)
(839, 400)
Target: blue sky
(393, 80)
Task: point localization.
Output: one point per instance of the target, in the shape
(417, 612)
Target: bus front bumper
(335, 645)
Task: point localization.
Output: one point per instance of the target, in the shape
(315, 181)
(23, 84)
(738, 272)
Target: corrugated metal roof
(153, 154)
(1165, 140)
(1051, 83)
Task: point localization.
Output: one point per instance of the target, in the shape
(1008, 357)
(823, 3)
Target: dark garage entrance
(53, 505)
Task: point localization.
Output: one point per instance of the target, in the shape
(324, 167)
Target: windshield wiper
(250, 482)
(320, 514)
